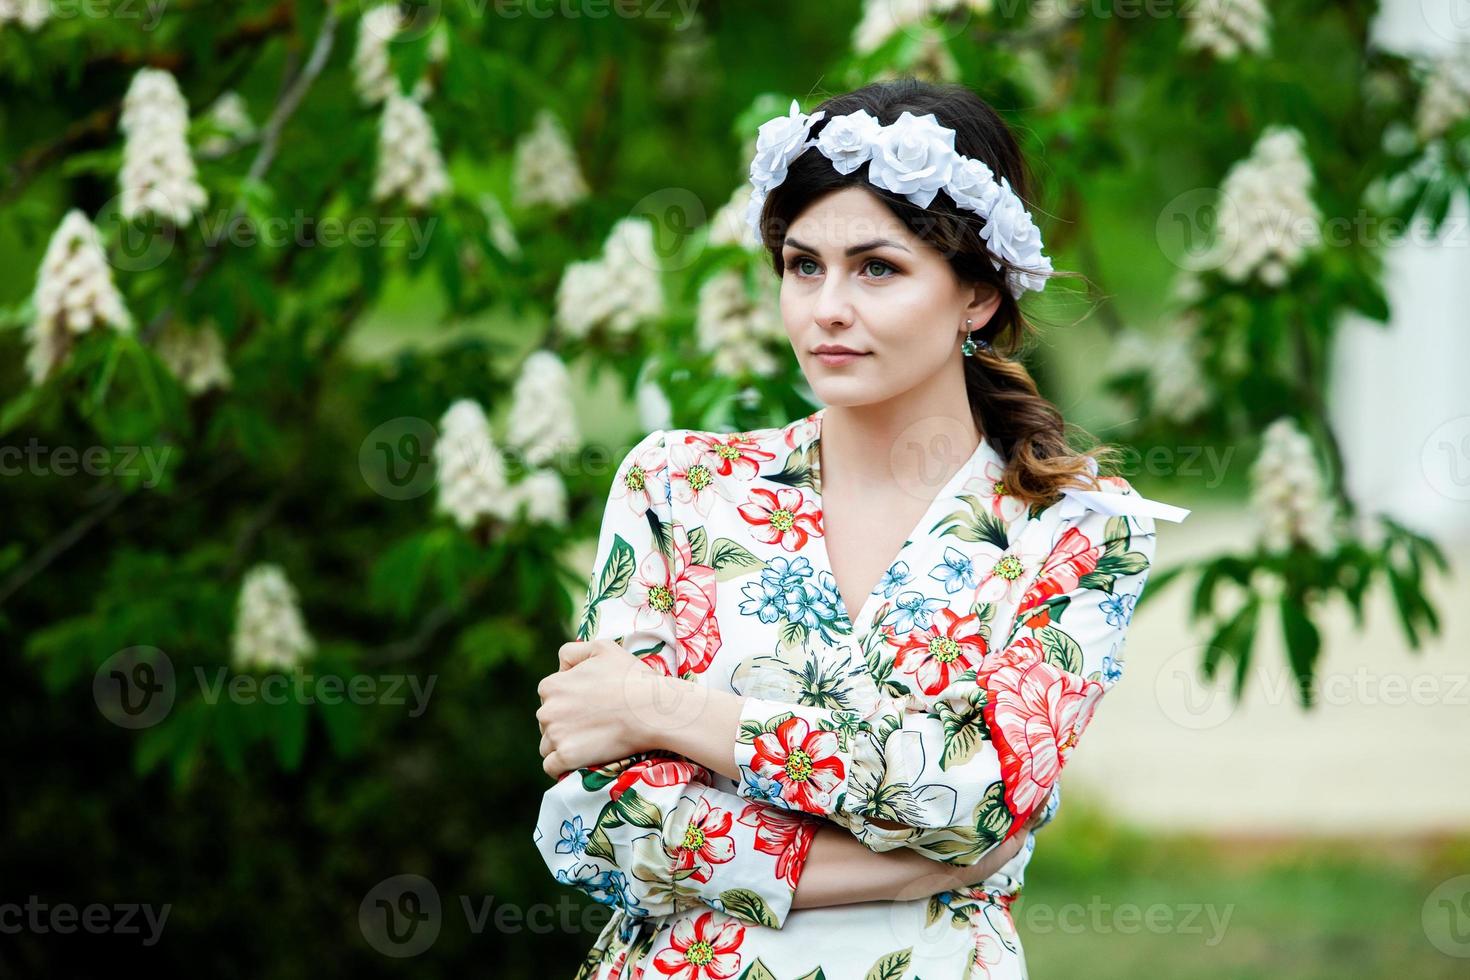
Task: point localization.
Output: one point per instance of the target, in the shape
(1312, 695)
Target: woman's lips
(836, 359)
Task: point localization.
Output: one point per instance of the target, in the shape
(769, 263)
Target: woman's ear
(984, 301)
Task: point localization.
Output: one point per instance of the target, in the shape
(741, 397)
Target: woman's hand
(593, 708)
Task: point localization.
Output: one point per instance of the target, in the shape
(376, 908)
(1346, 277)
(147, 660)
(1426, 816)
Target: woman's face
(855, 276)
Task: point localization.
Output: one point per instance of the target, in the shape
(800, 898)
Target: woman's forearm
(840, 870)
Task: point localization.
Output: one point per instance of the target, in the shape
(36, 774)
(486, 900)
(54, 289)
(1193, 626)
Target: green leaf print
(757, 971)
(793, 637)
(963, 730)
(992, 818)
(638, 811)
(891, 966)
(730, 560)
(1116, 560)
(816, 974)
(1061, 650)
(978, 525)
(698, 546)
(616, 573)
(599, 845)
(798, 470)
(748, 905)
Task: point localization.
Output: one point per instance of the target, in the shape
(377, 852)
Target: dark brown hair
(1026, 428)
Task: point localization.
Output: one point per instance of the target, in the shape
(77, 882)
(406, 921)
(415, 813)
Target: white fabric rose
(848, 140)
(780, 141)
(914, 157)
(973, 186)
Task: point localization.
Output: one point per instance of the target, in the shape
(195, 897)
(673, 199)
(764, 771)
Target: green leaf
(891, 966)
(1060, 649)
(638, 811)
(748, 905)
(1303, 643)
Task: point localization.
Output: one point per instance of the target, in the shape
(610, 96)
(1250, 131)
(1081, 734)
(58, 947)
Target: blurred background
(325, 325)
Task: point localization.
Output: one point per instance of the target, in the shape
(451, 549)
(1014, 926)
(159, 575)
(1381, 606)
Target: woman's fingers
(572, 654)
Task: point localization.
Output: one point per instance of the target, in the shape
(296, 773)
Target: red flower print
(644, 477)
(948, 648)
(700, 949)
(803, 430)
(1073, 557)
(782, 833)
(657, 772)
(737, 455)
(1023, 652)
(1036, 712)
(617, 966)
(706, 842)
(803, 761)
(692, 605)
(785, 517)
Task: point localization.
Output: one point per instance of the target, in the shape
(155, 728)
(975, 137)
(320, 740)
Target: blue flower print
(1111, 669)
(574, 837)
(765, 599)
(786, 573)
(606, 887)
(759, 788)
(912, 610)
(897, 575)
(810, 606)
(956, 571)
(1118, 608)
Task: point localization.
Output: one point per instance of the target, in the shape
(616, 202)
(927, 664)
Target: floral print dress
(948, 705)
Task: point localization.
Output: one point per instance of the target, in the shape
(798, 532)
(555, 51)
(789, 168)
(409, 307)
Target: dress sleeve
(650, 834)
(968, 773)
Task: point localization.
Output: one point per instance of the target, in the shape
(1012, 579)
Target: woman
(801, 792)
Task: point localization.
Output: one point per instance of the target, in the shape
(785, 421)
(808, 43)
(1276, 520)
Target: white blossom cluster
(540, 497)
(196, 357)
(269, 631)
(30, 14)
(618, 290)
(472, 478)
(728, 226)
(74, 293)
(1267, 220)
(1178, 390)
(542, 420)
(1226, 27)
(884, 18)
(736, 328)
(470, 470)
(231, 116)
(372, 71)
(654, 410)
(1445, 99)
(158, 175)
(1287, 491)
(546, 170)
(372, 75)
(408, 154)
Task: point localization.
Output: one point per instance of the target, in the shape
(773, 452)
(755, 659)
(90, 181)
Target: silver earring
(970, 345)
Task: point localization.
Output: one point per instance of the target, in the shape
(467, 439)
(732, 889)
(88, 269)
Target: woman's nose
(834, 305)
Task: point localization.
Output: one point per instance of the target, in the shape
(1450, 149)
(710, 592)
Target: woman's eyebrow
(853, 249)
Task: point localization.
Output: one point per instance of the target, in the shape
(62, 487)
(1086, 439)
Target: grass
(1105, 901)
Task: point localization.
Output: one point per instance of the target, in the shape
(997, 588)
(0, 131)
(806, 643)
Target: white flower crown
(913, 156)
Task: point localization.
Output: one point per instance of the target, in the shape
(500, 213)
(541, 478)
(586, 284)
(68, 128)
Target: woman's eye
(799, 264)
(880, 264)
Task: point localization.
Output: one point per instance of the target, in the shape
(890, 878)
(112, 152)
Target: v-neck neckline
(944, 498)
